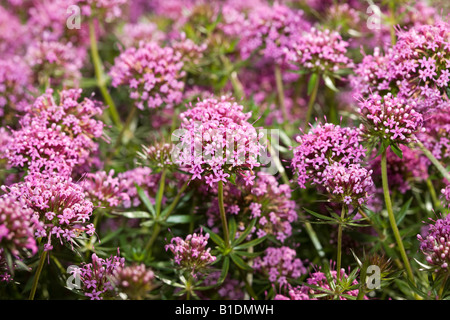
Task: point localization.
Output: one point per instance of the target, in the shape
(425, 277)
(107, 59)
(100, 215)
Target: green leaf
(135, 214)
(181, 218)
(251, 243)
(317, 215)
(147, 202)
(232, 228)
(312, 82)
(402, 213)
(215, 237)
(397, 150)
(329, 83)
(147, 223)
(240, 262)
(245, 233)
(248, 254)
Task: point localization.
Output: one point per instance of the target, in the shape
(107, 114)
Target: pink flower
(153, 74)
(191, 253)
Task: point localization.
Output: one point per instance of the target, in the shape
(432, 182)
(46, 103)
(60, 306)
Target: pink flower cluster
(135, 281)
(436, 133)
(266, 201)
(416, 67)
(446, 193)
(152, 74)
(294, 293)
(132, 34)
(319, 279)
(17, 224)
(390, 117)
(56, 137)
(435, 245)
(13, 35)
(350, 184)
(322, 146)
(16, 85)
(269, 30)
(57, 203)
(216, 140)
(96, 276)
(191, 253)
(55, 62)
(109, 190)
(319, 51)
(105, 190)
(280, 264)
(102, 9)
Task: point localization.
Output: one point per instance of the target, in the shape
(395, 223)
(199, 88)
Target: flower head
(191, 253)
(319, 51)
(17, 226)
(135, 281)
(390, 117)
(216, 140)
(56, 137)
(435, 245)
(280, 265)
(152, 74)
(57, 203)
(348, 184)
(323, 145)
(269, 29)
(96, 276)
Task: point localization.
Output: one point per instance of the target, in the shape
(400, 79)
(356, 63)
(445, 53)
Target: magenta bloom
(132, 34)
(435, 245)
(191, 253)
(216, 140)
(135, 281)
(319, 279)
(152, 73)
(97, 276)
(322, 146)
(266, 200)
(16, 86)
(348, 184)
(56, 136)
(319, 51)
(59, 205)
(446, 193)
(294, 293)
(269, 30)
(108, 10)
(56, 62)
(105, 190)
(390, 117)
(17, 226)
(280, 265)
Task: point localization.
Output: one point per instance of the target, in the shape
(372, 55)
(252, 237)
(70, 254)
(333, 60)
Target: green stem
(441, 289)
(162, 184)
(157, 227)
(339, 248)
(119, 139)
(312, 100)
(280, 91)
(176, 200)
(392, 18)
(390, 210)
(37, 275)
(99, 74)
(436, 202)
(433, 160)
(223, 216)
